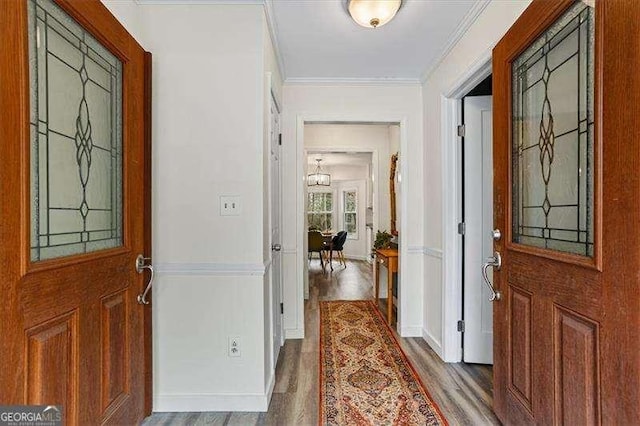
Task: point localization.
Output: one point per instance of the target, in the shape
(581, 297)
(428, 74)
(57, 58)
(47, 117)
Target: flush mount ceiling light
(318, 178)
(373, 13)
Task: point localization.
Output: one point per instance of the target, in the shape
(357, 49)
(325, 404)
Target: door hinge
(280, 139)
(462, 228)
(281, 308)
(461, 130)
(461, 326)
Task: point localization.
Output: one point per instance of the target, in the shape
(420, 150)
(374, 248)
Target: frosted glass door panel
(553, 90)
(76, 137)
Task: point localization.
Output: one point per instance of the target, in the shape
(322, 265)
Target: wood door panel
(584, 312)
(52, 364)
(560, 283)
(576, 368)
(115, 359)
(520, 367)
(39, 290)
(72, 332)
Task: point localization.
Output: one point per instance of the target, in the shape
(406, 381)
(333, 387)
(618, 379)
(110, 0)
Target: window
(350, 204)
(320, 210)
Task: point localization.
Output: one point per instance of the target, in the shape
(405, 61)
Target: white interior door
(276, 265)
(478, 219)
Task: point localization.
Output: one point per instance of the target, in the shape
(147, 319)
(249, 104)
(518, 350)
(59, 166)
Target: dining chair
(317, 245)
(337, 244)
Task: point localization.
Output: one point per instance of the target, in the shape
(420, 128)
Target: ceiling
(339, 159)
(318, 40)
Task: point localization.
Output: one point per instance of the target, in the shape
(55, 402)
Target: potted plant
(383, 240)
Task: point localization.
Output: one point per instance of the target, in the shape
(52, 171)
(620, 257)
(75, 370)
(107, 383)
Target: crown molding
(198, 2)
(460, 31)
(273, 32)
(324, 81)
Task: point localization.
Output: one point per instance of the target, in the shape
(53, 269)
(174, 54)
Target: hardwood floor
(462, 391)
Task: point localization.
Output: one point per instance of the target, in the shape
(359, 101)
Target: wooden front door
(567, 200)
(71, 211)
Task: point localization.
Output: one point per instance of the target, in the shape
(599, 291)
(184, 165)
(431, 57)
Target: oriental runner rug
(365, 378)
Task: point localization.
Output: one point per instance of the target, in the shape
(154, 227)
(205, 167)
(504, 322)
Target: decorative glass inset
(76, 137)
(553, 116)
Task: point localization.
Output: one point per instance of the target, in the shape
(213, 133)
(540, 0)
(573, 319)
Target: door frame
(147, 325)
(301, 232)
(274, 304)
(451, 107)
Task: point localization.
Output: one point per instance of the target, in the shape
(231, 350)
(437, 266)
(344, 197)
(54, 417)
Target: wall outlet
(229, 205)
(235, 347)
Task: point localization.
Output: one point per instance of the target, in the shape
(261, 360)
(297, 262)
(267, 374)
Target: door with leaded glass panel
(567, 203)
(72, 214)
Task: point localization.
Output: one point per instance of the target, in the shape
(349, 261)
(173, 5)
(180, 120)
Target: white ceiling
(318, 40)
(339, 159)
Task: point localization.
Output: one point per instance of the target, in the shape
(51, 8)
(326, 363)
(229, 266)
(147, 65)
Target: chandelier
(318, 178)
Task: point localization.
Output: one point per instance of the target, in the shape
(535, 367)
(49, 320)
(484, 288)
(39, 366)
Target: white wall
(209, 96)
(473, 47)
(352, 103)
(128, 12)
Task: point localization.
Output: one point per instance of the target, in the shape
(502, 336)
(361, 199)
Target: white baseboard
(211, 402)
(270, 386)
(433, 343)
(355, 257)
(294, 333)
(411, 331)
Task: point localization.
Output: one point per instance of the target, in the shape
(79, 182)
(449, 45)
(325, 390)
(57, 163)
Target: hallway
(462, 391)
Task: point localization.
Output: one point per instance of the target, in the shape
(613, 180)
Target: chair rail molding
(219, 269)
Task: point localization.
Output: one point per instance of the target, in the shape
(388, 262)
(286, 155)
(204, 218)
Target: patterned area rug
(365, 378)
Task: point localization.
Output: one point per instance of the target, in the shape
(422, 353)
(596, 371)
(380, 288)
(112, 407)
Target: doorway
(473, 82)
(355, 160)
(476, 225)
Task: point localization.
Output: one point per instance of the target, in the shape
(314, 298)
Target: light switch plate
(229, 205)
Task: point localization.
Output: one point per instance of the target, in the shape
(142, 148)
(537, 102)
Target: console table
(388, 258)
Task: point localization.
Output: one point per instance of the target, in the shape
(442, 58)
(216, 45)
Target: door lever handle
(140, 267)
(496, 262)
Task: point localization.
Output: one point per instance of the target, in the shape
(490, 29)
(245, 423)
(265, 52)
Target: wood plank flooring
(462, 391)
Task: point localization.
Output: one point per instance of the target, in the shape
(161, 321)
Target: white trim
(411, 331)
(432, 342)
(460, 31)
(271, 384)
(345, 117)
(199, 2)
(473, 75)
(267, 264)
(289, 251)
(355, 257)
(273, 32)
(201, 402)
(294, 333)
(219, 269)
(433, 252)
(451, 206)
(415, 250)
(336, 81)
